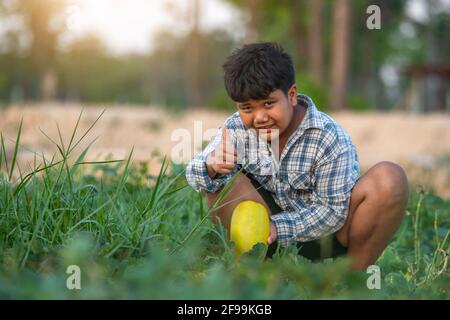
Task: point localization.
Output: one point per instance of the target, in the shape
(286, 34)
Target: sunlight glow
(130, 25)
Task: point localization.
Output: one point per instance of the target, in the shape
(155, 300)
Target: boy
(299, 163)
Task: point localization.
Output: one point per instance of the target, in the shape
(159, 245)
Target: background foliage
(184, 69)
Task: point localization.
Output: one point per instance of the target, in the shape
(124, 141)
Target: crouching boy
(299, 163)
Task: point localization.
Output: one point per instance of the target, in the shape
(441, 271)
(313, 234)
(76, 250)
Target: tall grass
(135, 235)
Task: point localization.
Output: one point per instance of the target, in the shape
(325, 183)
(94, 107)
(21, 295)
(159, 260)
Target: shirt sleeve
(327, 209)
(197, 172)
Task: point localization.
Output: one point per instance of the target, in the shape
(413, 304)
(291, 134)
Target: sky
(129, 25)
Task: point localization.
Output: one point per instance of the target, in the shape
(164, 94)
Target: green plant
(135, 235)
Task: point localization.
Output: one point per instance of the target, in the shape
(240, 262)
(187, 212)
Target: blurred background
(156, 66)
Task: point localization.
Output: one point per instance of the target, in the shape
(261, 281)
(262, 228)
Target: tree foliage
(85, 70)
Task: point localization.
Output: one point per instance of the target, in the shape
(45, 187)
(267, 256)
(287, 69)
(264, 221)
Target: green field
(136, 236)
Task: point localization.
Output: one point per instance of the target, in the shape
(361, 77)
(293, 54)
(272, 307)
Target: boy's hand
(224, 158)
(273, 234)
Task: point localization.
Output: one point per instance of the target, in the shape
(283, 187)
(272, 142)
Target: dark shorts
(316, 250)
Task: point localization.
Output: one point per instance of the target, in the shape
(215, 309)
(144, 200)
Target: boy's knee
(390, 182)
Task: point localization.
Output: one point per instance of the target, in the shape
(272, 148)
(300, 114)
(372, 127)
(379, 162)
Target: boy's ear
(292, 95)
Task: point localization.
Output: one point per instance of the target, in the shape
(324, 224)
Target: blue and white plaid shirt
(311, 182)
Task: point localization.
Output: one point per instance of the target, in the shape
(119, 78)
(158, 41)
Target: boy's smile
(277, 116)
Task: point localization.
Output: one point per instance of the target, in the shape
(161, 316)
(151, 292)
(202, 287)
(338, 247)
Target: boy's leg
(376, 209)
(241, 190)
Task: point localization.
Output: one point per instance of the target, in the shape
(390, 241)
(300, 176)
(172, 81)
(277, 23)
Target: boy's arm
(197, 173)
(328, 209)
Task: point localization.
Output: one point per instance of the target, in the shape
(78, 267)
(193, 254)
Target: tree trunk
(254, 23)
(434, 99)
(366, 69)
(339, 59)
(299, 34)
(193, 59)
(49, 85)
(315, 43)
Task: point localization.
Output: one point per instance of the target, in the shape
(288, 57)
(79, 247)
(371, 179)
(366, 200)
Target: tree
(339, 54)
(193, 57)
(315, 41)
(254, 22)
(41, 21)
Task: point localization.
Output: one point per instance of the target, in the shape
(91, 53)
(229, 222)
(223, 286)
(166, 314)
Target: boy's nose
(261, 118)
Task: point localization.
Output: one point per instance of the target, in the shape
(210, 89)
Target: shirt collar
(312, 117)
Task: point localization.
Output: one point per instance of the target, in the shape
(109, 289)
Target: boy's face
(270, 117)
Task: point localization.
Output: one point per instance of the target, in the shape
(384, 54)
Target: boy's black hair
(256, 70)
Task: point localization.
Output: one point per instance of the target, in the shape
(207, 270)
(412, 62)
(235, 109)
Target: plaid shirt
(311, 182)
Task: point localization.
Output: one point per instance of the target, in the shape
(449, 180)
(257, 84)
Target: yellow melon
(249, 225)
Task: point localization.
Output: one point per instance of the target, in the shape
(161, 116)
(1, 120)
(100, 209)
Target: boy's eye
(268, 103)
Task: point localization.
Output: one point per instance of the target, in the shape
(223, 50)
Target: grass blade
(87, 131)
(16, 149)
